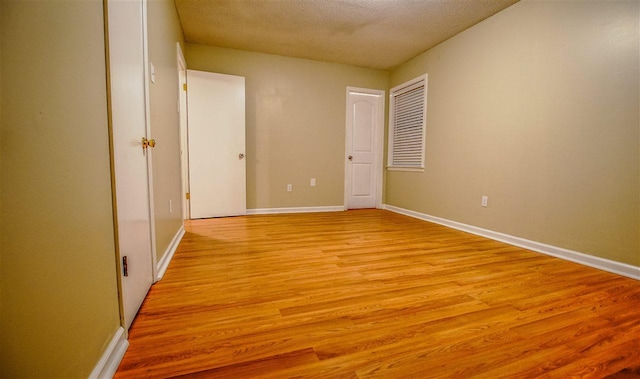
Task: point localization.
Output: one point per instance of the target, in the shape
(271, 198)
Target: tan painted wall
(163, 32)
(537, 108)
(295, 114)
(59, 302)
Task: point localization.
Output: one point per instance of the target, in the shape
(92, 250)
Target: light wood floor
(368, 294)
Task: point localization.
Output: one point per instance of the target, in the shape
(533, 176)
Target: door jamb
(114, 206)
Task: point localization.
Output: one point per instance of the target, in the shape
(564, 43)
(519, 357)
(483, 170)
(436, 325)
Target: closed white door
(184, 159)
(216, 128)
(129, 120)
(364, 128)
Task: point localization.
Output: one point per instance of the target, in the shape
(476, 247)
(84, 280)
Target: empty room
(340, 188)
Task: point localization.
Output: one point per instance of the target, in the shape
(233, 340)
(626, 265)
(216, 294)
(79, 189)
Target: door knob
(148, 142)
(240, 156)
(350, 157)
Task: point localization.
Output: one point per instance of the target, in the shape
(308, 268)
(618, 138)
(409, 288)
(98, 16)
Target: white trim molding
(163, 264)
(619, 268)
(112, 356)
(264, 211)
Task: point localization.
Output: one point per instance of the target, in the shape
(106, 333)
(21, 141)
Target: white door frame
(379, 145)
(184, 131)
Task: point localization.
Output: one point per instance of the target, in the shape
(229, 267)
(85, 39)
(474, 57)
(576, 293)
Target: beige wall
(295, 114)
(59, 299)
(163, 32)
(537, 108)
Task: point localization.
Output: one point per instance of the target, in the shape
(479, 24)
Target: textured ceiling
(379, 34)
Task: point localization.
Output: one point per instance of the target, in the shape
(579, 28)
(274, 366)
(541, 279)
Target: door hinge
(125, 266)
(188, 196)
(184, 86)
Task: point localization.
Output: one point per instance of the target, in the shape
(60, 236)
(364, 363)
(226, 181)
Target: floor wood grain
(374, 294)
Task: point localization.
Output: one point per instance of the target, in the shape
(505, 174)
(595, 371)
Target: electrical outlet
(485, 200)
(289, 187)
(313, 182)
(170, 207)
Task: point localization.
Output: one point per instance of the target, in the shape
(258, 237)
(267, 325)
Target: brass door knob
(148, 142)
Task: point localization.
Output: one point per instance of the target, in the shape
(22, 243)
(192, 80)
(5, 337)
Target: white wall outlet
(485, 200)
(170, 207)
(289, 187)
(153, 73)
(313, 182)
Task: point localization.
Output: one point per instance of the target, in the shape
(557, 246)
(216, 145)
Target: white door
(216, 123)
(364, 137)
(184, 158)
(129, 120)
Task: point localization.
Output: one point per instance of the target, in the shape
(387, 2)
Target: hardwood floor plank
(374, 294)
(405, 337)
(253, 368)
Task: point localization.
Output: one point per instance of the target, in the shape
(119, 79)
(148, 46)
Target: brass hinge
(184, 86)
(188, 196)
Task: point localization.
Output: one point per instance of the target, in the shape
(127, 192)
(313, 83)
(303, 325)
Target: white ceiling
(379, 34)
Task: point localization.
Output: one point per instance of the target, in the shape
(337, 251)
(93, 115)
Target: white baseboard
(163, 264)
(558, 252)
(112, 356)
(263, 211)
